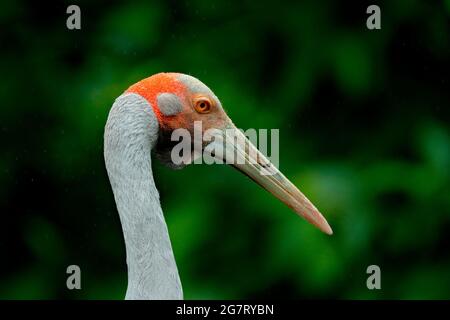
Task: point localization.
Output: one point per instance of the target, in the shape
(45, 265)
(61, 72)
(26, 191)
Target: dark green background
(364, 129)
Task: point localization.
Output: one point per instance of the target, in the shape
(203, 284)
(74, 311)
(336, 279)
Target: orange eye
(202, 104)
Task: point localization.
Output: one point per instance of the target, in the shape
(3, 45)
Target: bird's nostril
(264, 165)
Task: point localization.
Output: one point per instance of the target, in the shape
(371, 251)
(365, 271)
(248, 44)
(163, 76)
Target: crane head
(180, 101)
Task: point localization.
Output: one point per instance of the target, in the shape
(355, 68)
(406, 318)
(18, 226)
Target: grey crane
(140, 122)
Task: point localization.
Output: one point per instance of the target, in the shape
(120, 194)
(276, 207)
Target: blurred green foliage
(364, 128)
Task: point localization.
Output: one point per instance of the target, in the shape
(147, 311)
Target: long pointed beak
(232, 146)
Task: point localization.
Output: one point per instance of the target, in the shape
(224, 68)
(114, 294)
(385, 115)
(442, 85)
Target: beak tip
(327, 229)
(318, 220)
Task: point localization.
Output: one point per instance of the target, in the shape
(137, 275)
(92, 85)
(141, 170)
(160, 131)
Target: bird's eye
(202, 104)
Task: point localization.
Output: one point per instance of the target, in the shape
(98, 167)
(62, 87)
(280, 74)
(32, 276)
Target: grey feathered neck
(131, 132)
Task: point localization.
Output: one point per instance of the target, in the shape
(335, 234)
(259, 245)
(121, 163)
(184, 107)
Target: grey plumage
(131, 132)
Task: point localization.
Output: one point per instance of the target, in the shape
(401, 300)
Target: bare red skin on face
(150, 87)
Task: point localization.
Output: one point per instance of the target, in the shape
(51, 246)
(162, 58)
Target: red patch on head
(150, 87)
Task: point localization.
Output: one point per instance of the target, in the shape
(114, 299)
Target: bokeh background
(364, 131)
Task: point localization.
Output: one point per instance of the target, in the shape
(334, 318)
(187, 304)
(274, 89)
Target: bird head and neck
(140, 123)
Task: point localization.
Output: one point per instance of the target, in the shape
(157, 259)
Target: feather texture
(130, 134)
